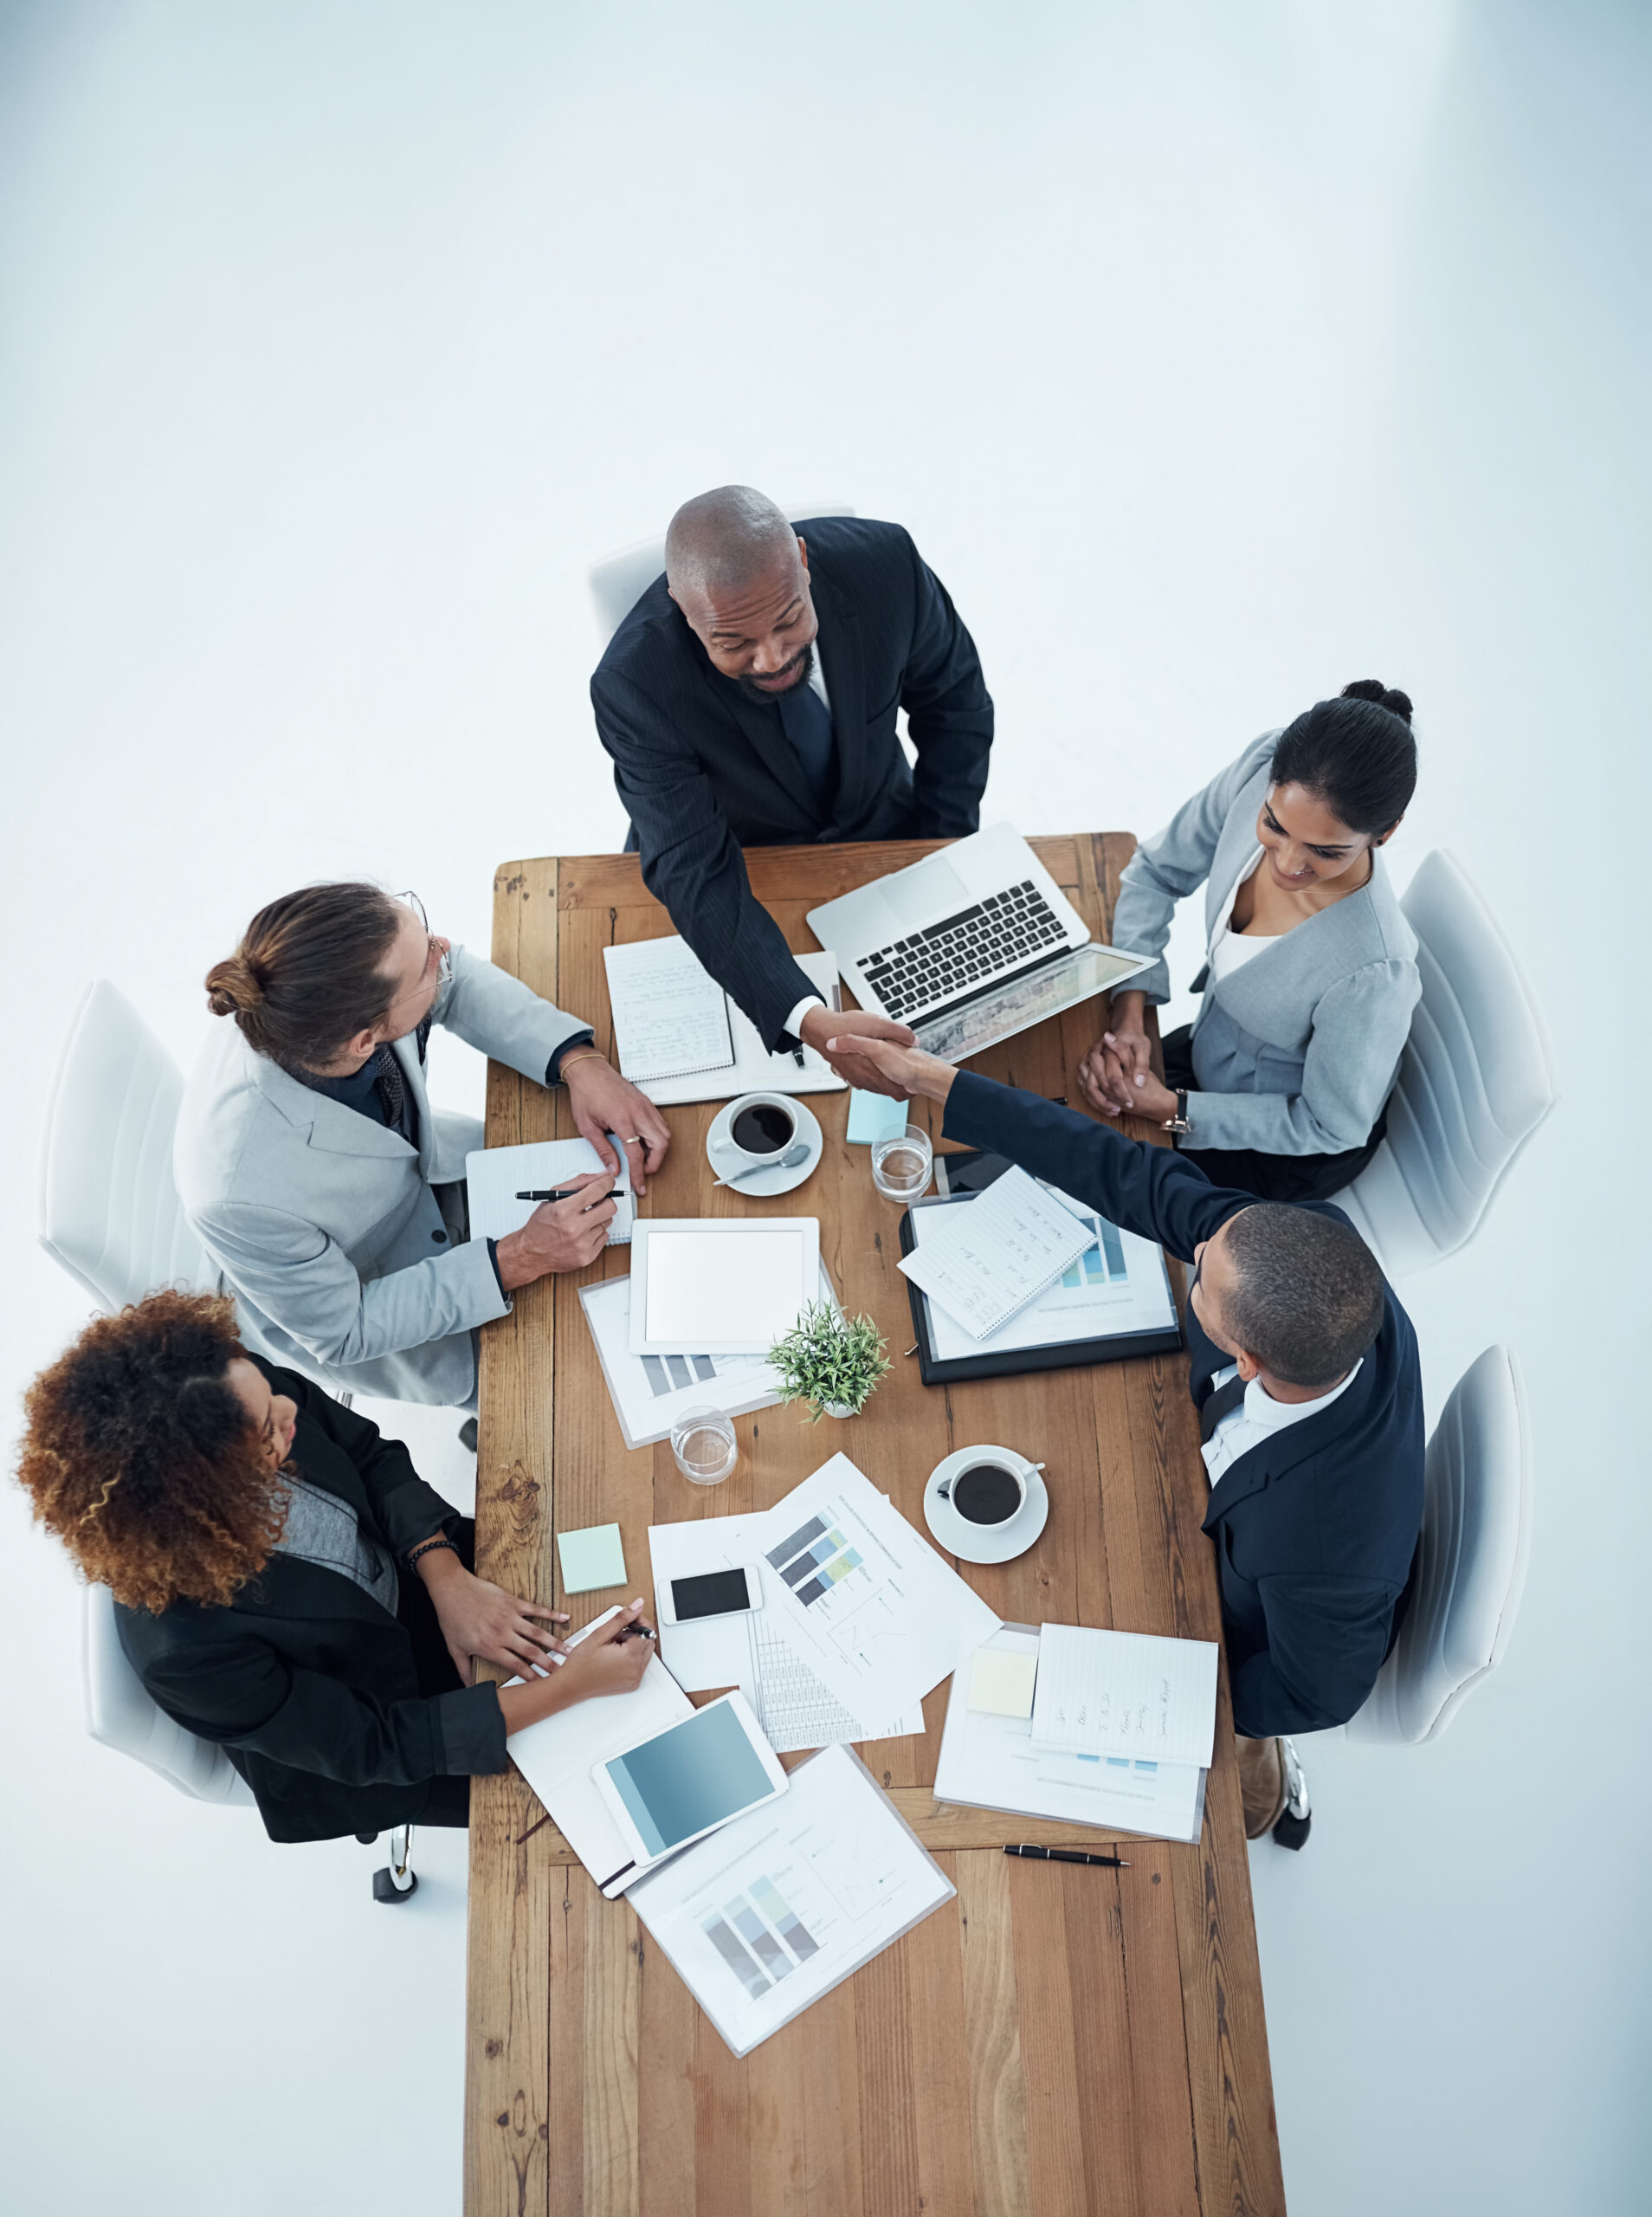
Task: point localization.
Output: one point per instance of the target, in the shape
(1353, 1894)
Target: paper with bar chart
(771, 1912)
(1119, 1285)
(755, 1650)
(874, 1611)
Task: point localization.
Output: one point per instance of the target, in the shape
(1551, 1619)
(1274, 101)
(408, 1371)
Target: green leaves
(826, 1358)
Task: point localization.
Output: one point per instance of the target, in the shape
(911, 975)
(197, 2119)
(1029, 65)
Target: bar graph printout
(771, 1912)
(1124, 1693)
(875, 1612)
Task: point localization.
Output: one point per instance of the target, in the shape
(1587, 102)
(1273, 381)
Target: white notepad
(679, 1038)
(720, 1285)
(494, 1175)
(1140, 1695)
(983, 1264)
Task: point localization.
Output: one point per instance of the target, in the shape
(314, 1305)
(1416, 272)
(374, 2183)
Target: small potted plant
(832, 1361)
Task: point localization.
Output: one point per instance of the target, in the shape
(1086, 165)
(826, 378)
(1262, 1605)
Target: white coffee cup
(768, 1114)
(988, 1487)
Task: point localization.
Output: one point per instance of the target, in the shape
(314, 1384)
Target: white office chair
(1477, 1078)
(617, 582)
(1471, 1573)
(110, 1215)
(109, 1210)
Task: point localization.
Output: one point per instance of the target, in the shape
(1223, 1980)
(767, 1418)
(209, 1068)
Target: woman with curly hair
(285, 1584)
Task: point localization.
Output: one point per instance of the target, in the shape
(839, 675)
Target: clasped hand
(1116, 1076)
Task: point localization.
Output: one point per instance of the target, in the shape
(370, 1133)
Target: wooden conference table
(1060, 2041)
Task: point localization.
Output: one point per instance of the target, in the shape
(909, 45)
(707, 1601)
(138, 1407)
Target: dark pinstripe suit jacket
(704, 771)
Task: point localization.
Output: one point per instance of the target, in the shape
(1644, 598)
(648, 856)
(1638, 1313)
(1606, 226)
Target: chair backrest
(618, 581)
(120, 1714)
(109, 1210)
(1477, 1078)
(1471, 1570)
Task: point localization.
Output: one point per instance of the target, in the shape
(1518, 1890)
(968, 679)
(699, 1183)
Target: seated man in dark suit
(1304, 1374)
(749, 699)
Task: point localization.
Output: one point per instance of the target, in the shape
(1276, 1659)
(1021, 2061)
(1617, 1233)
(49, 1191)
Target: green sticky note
(874, 1116)
(593, 1558)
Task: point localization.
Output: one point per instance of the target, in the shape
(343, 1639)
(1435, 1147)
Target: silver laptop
(969, 945)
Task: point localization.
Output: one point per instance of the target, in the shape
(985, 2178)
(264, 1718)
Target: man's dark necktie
(1218, 1405)
(391, 1087)
(807, 722)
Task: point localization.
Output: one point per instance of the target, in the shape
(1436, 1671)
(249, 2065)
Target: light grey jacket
(1296, 1051)
(324, 1224)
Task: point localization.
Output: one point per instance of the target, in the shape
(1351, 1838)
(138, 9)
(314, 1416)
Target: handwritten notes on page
(983, 1263)
(670, 1018)
(1124, 1693)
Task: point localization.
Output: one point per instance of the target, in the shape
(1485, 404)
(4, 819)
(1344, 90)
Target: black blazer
(1316, 1529)
(309, 1686)
(705, 771)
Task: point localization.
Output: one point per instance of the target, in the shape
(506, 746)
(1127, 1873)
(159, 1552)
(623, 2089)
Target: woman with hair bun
(1310, 978)
(285, 1584)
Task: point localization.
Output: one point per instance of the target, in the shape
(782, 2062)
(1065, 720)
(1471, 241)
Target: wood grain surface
(1059, 2041)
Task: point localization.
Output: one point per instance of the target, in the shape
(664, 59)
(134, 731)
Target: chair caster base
(1292, 1832)
(386, 1889)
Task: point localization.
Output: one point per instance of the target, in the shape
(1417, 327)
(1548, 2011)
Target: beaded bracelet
(427, 1548)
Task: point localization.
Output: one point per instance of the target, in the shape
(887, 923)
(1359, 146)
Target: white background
(1215, 356)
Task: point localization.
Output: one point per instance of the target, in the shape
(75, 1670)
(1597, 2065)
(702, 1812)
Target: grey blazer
(1296, 1052)
(324, 1224)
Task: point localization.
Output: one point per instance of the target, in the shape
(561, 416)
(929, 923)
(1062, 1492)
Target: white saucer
(978, 1542)
(725, 1157)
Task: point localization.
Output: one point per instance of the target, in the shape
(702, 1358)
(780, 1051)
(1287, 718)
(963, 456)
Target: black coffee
(763, 1128)
(986, 1493)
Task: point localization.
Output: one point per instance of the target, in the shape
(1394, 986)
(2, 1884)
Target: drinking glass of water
(703, 1442)
(900, 1164)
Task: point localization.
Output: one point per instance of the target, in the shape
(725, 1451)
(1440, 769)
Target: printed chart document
(679, 1038)
(494, 1175)
(650, 1392)
(1119, 1286)
(988, 1761)
(1124, 1693)
(783, 1905)
(984, 1263)
(758, 1650)
(875, 1612)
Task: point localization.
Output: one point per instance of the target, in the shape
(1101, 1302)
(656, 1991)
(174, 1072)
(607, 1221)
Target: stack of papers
(1128, 1694)
(986, 1260)
(782, 1904)
(989, 1761)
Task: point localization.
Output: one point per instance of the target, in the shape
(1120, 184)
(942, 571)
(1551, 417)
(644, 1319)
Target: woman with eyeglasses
(285, 1584)
(1310, 976)
(325, 1187)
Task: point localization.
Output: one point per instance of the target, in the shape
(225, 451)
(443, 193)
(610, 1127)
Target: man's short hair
(1306, 1297)
(720, 540)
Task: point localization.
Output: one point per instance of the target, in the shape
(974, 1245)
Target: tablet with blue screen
(688, 1780)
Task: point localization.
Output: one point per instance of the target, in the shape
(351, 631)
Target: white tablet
(720, 1285)
(691, 1778)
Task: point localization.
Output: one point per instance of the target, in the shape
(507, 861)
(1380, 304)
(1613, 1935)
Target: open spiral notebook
(679, 1038)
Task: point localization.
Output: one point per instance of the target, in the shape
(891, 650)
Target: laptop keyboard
(999, 934)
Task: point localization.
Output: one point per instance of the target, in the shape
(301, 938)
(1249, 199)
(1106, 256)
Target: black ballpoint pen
(567, 1193)
(1069, 1855)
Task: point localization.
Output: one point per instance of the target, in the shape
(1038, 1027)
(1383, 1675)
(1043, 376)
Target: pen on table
(567, 1193)
(1068, 1855)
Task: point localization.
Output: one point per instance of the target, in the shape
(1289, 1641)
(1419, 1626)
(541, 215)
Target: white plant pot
(839, 1409)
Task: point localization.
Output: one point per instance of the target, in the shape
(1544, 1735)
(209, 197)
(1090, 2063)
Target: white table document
(1118, 1286)
(989, 1762)
(878, 1617)
(755, 1650)
(494, 1175)
(1124, 1693)
(983, 1261)
(785, 1903)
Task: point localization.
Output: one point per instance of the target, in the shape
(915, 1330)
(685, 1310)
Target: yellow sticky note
(1001, 1684)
